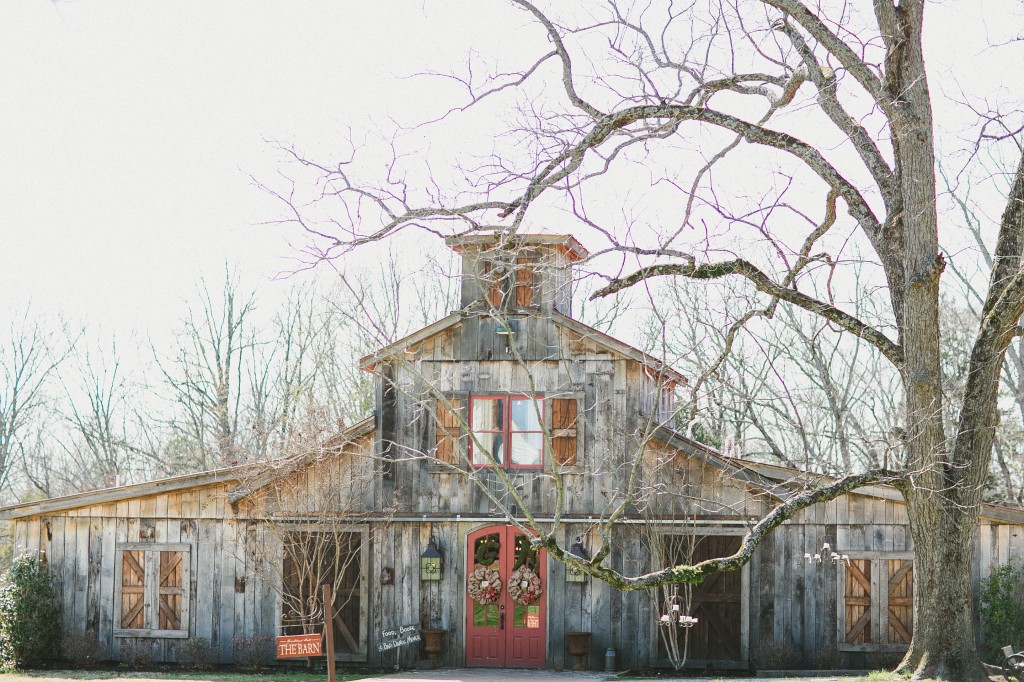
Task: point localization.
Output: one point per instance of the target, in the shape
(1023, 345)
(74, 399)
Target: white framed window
(508, 431)
(151, 585)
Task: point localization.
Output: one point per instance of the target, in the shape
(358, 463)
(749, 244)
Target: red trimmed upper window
(507, 431)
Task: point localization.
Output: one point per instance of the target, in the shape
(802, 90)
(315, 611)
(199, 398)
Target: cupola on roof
(505, 273)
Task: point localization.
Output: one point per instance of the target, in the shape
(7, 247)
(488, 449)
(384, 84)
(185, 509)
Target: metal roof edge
(107, 495)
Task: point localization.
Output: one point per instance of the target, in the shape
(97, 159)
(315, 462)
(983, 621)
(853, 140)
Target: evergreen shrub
(29, 617)
(1001, 616)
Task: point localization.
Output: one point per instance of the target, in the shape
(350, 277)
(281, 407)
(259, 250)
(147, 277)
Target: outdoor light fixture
(675, 615)
(825, 554)
(431, 562)
(574, 574)
(507, 332)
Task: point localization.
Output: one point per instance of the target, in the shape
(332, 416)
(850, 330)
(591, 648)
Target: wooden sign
(299, 646)
(392, 639)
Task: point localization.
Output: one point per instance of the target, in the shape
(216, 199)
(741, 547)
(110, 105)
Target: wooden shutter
(152, 585)
(857, 602)
(448, 431)
(171, 590)
(524, 282)
(901, 601)
(494, 280)
(133, 589)
(564, 417)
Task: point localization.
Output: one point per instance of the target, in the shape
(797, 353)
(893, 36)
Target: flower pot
(432, 644)
(579, 647)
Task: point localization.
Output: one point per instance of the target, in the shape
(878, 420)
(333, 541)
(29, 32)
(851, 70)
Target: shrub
(196, 652)
(29, 617)
(83, 649)
(253, 651)
(772, 655)
(1001, 615)
(826, 657)
(136, 652)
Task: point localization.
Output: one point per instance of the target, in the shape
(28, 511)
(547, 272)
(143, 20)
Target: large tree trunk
(943, 645)
(942, 502)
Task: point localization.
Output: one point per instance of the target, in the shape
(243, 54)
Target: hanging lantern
(431, 562)
(574, 574)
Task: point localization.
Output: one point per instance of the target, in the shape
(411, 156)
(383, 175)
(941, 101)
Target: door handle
(501, 620)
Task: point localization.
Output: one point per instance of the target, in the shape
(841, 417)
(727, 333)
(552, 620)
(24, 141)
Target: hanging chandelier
(826, 555)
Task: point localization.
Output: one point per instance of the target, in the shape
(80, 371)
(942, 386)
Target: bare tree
(205, 376)
(961, 316)
(794, 392)
(311, 506)
(101, 448)
(798, 112)
(29, 355)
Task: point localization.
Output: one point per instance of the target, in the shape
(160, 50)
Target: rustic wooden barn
(508, 406)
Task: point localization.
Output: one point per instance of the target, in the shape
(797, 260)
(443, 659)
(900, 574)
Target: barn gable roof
(279, 469)
(600, 338)
(243, 479)
(989, 511)
(688, 446)
(127, 492)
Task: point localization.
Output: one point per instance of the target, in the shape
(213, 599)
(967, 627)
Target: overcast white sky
(129, 128)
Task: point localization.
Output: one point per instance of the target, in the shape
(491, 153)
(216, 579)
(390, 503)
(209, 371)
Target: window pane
(488, 414)
(488, 443)
(527, 448)
(524, 414)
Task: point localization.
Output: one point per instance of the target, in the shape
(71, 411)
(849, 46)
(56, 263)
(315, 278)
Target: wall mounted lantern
(431, 562)
(574, 574)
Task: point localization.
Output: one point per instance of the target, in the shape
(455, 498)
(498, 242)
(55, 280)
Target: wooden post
(329, 630)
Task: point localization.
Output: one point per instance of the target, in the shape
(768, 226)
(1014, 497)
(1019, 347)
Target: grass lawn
(877, 676)
(188, 676)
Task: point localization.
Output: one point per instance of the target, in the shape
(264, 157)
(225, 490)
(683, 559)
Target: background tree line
(240, 383)
(232, 382)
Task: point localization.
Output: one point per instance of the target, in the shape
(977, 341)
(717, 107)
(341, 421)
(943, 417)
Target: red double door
(506, 625)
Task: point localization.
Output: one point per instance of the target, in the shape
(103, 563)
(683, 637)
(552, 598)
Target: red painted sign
(299, 646)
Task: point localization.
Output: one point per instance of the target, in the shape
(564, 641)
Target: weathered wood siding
(390, 486)
(80, 549)
(788, 601)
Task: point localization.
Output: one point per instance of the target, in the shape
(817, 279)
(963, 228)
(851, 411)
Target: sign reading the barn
(299, 646)
(392, 639)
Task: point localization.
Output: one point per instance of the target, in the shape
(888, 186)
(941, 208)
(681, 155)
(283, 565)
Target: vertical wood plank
(105, 632)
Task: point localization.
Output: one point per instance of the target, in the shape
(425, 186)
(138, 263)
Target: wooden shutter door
(524, 282)
(448, 431)
(857, 601)
(171, 590)
(901, 601)
(133, 589)
(564, 413)
(493, 279)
